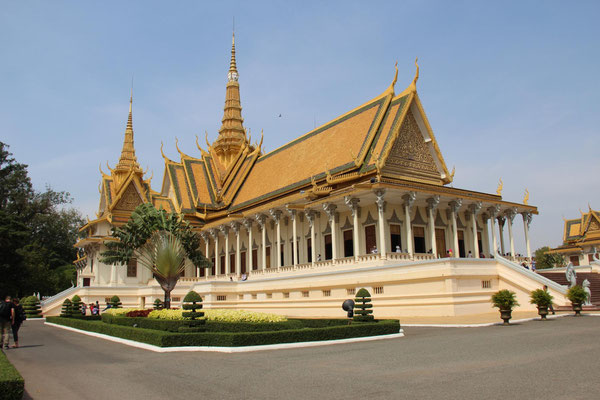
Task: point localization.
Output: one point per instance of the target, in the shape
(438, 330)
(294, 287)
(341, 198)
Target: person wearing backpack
(18, 320)
(7, 316)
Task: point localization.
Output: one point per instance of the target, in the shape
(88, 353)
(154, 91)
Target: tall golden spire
(128, 160)
(232, 135)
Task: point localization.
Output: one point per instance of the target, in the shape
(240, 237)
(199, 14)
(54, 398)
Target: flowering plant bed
(327, 331)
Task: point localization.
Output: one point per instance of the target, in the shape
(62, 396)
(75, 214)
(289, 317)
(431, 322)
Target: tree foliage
(545, 260)
(160, 241)
(37, 233)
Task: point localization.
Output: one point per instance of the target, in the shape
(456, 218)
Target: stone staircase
(593, 277)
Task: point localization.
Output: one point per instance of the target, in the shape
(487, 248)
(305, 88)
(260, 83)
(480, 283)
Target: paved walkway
(557, 359)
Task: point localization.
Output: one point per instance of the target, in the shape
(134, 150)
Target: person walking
(7, 316)
(550, 306)
(18, 320)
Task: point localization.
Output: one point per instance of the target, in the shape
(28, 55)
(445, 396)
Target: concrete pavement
(557, 359)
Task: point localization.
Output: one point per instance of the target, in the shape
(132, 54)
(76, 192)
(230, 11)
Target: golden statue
(500, 186)
(526, 198)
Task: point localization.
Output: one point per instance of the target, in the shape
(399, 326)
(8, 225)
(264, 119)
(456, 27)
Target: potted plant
(542, 299)
(577, 296)
(505, 300)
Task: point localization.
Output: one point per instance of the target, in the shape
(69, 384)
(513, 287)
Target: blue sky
(510, 88)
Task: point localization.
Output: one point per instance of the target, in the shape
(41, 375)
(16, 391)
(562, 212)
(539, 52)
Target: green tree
(545, 260)
(363, 308)
(160, 241)
(37, 233)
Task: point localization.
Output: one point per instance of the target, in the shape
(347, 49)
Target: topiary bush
(577, 294)
(192, 301)
(32, 307)
(362, 306)
(115, 302)
(541, 298)
(505, 299)
(76, 306)
(66, 308)
(158, 304)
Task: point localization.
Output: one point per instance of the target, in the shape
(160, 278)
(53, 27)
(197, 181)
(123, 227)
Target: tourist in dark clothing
(19, 318)
(7, 316)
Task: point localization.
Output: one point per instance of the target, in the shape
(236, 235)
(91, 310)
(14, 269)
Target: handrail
(58, 295)
(542, 279)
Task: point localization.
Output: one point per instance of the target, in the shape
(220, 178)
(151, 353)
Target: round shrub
(66, 308)
(577, 294)
(32, 307)
(541, 298)
(362, 306)
(76, 306)
(505, 299)
(115, 302)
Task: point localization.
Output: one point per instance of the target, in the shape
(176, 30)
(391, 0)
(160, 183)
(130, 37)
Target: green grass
(12, 384)
(309, 330)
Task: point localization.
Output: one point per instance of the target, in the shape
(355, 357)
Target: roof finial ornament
(109, 168)
(161, 151)
(206, 139)
(177, 147)
(453, 172)
(500, 186)
(526, 198)
(416, 78)
(391, 88)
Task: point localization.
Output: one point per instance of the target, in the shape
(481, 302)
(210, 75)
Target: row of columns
(492, 214)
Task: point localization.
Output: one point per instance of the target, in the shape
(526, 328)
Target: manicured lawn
(11, 381)
(230, 335)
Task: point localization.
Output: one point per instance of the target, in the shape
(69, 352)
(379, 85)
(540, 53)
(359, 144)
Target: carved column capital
(275, 214)
(485, 217)
(293, 213)
(214, 233)
(352, 203)
(380, 201)
(224, 230)
(247, 223)
(475, 207)
(510, 214)
(527, 217)
(433, 202)
(501, 221)
(310, 216)
(330, 210)
(235, 226)
(261, 219)
(409, 198)
(455, 205)
(493, 210)
(204, 235)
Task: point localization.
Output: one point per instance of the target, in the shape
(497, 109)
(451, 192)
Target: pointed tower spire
(128, 159)
(232, 135)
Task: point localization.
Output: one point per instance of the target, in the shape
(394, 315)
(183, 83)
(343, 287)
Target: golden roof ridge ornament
(526, 198)
(393, 84)
(412, 88)
(500, 186)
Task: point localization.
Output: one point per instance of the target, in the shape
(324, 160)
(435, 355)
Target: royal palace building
(362, 201)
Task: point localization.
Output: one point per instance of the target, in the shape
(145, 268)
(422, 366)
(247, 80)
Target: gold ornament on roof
(500, 186)
(453, 172)
(526, 198)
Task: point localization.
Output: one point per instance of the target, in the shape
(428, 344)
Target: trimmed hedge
(12, 384)
(232, 339)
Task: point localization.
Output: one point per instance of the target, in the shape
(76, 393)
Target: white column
(248, 225)
(225, 232)
(409, 199)
(238, 255)
(474, 209)
(113, 275)
(526, 222)
(381, 222)
(501, 222)
(493, 210)
(276, 214)
(261, 219)
(454, 207)
(432, 204)
(293, 214)
(352, 203)
(510, 216)
(310, 216)
(330, 210)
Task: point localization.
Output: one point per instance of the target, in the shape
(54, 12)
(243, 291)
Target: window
(213, 268)
(269, 295)
(305, 294)
(351, 292)
(222, 266)
(378, 290)
(308, 250)
(328, 247)
(132, 268)
(282, 252)
(419, 235)
(486, 284)
(395, 238)
(243, 262)
(107, 300)
(254, 296)
(370, 239)
(461, 244)
(92, 265)
(221, 297)
(240, 297)
(574, 260)
(286, 295)
(232, 263)
(255, 259)
(326, 293)
(175, 299)
(268, 251)
(348, 243)
(479, 243)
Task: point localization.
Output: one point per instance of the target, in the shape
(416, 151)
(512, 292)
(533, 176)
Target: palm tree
(161, 241)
